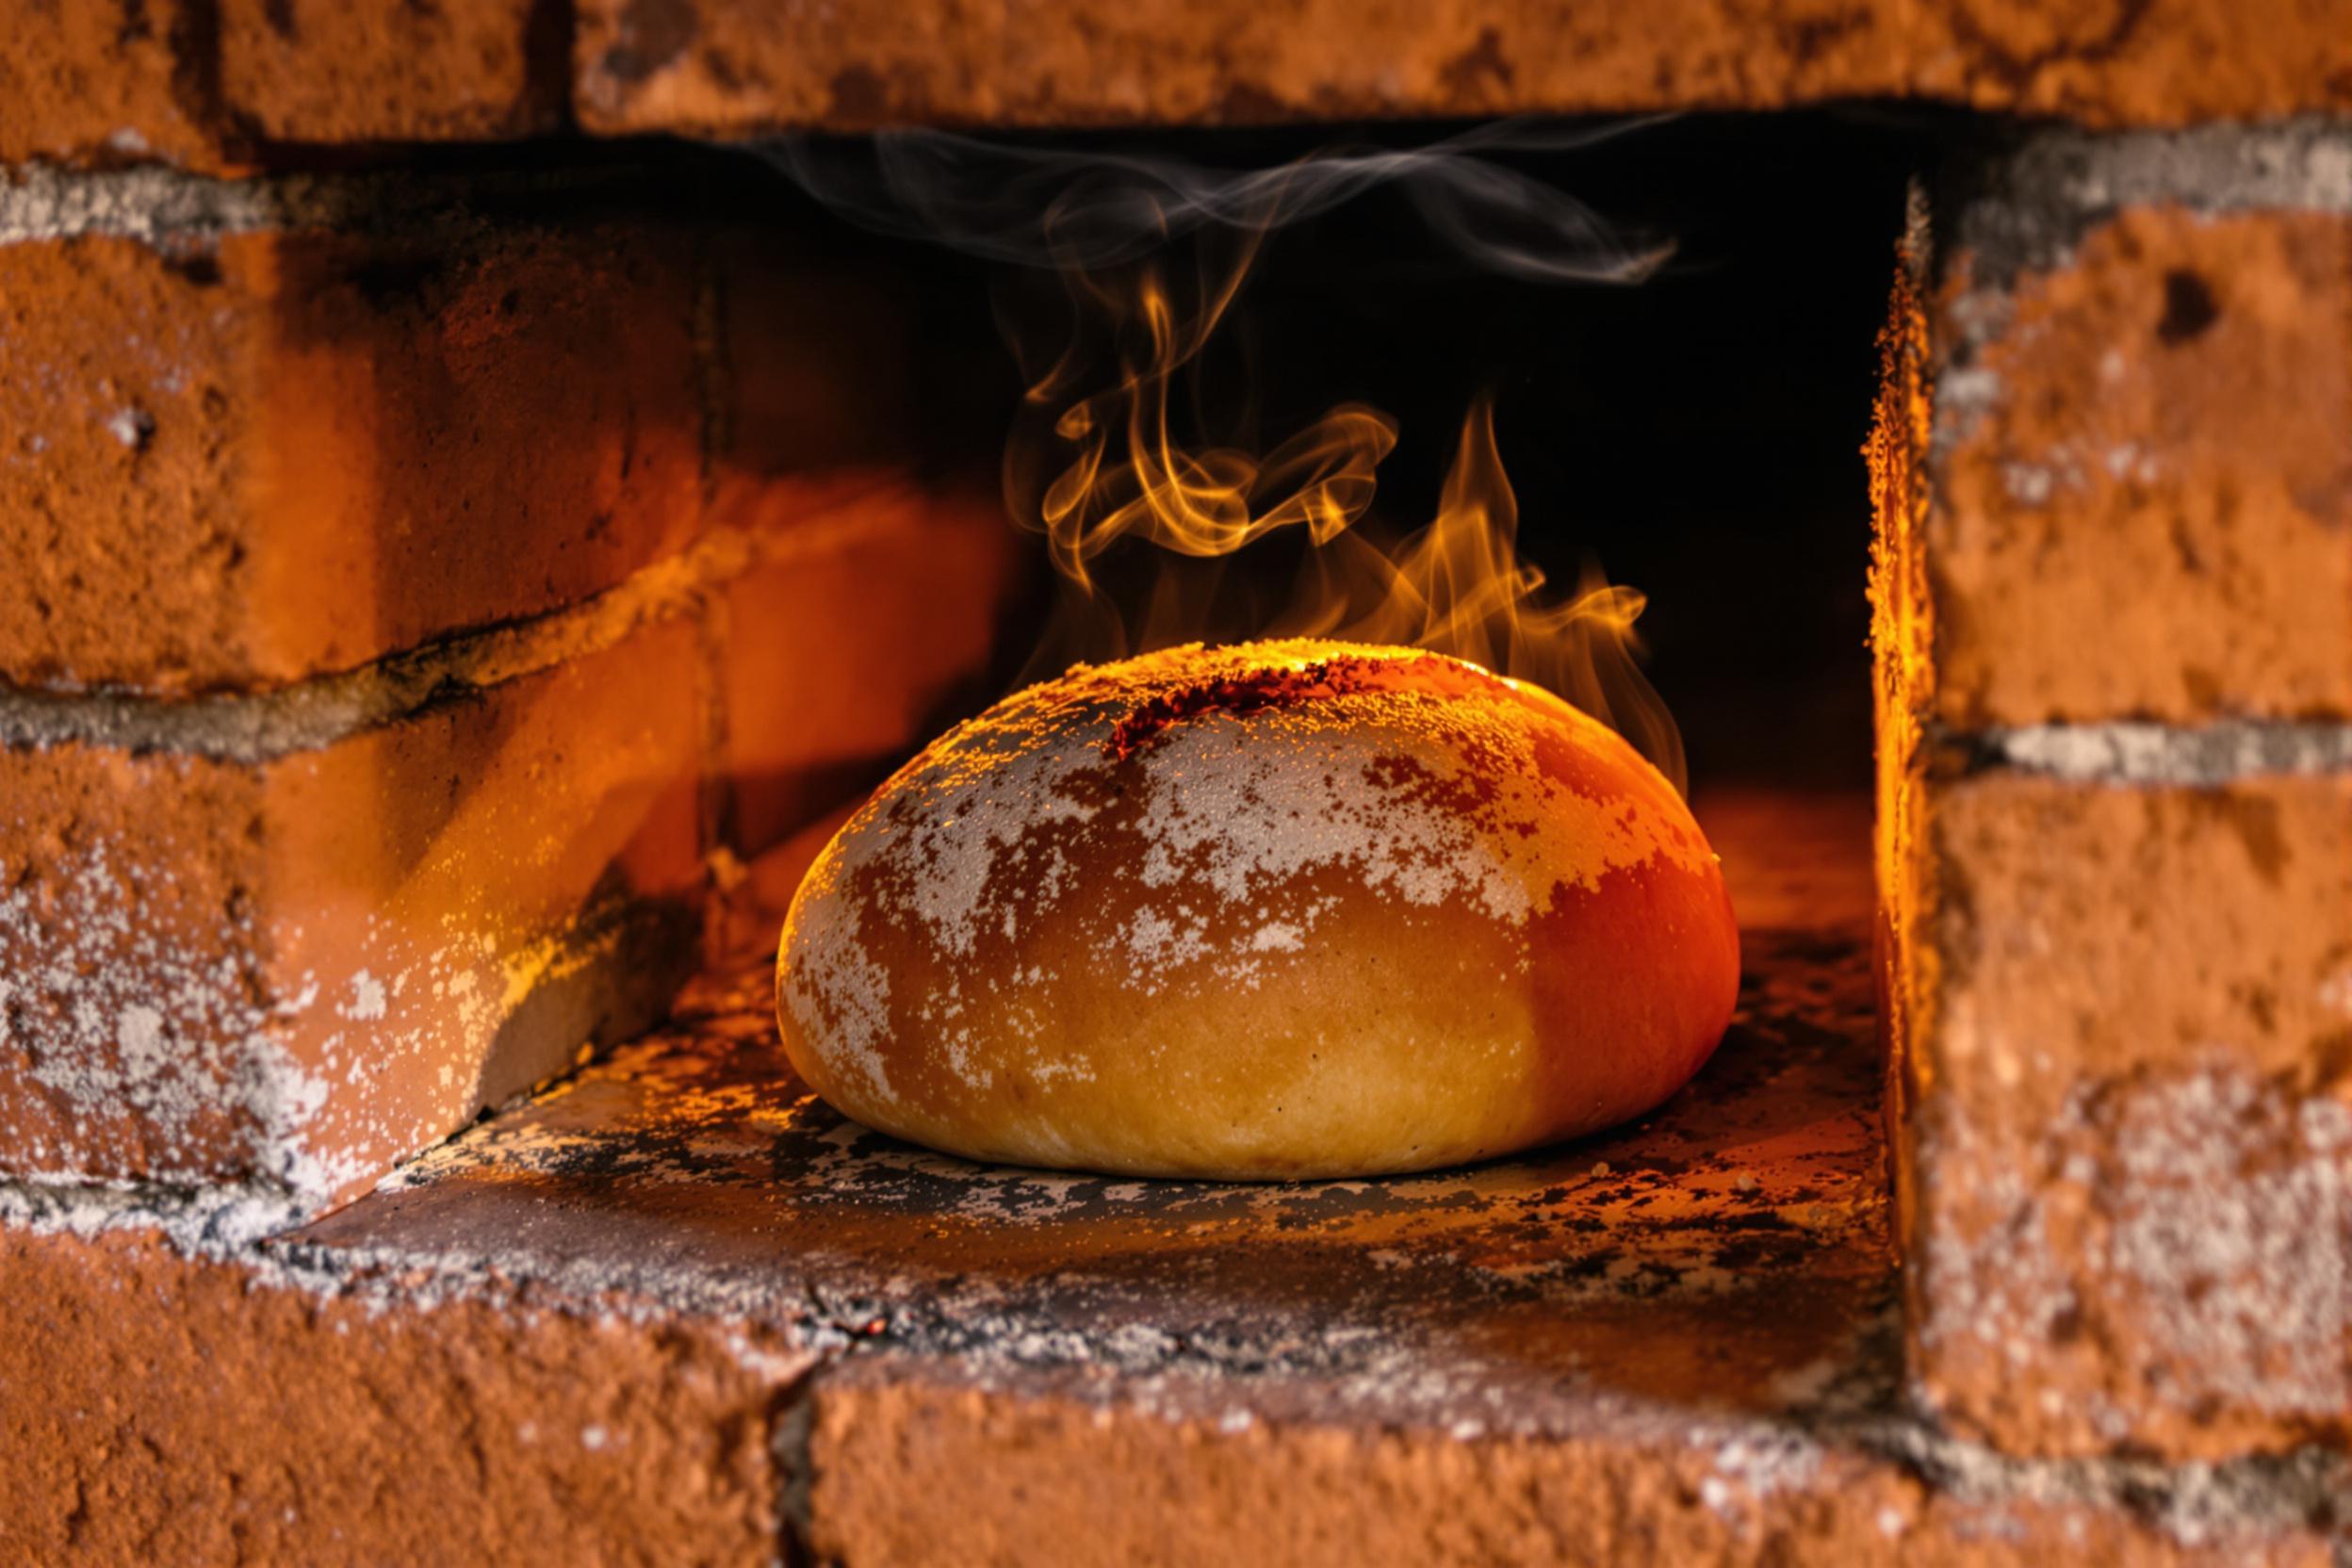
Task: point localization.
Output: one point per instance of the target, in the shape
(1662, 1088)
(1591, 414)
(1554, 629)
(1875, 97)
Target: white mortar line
(150, 204)
(2142, 752)
(222, 1221)
(2301, 165)
(159, 206)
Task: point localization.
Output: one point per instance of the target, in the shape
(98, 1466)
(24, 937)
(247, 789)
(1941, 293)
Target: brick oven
(470, 525)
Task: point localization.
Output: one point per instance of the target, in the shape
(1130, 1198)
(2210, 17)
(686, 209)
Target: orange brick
(2123, 1018)
(732, 66)
(848, 653)
(195, 83)
(299, 969)
(924, 1468)
(2140, 492)
(293, 453)
(328, 71)
(157, 1407)
(105, 83)
(207, 85)
(2111, 486)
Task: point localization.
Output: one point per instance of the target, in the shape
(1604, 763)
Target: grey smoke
(1060, 208)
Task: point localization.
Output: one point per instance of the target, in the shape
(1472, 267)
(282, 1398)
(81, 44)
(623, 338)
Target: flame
(1131, 476)
(1457, 586)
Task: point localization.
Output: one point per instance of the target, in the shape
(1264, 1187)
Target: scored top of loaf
(1327, 752)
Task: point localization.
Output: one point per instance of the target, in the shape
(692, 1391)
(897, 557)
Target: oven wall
(2114, 470)
(420, 592)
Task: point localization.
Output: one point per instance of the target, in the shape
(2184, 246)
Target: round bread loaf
(1272, 910)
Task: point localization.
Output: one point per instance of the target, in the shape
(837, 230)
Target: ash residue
(2022, 206)
(2194, 1227)
(1253, 692)
(218, 1221)
(2196, 1504)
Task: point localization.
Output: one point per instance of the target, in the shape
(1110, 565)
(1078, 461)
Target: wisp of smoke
(1064, 209)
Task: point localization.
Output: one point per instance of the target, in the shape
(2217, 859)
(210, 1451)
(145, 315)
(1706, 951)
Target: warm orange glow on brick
(1902, 641)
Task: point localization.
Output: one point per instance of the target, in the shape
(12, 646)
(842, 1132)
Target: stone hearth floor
(1728, 1254)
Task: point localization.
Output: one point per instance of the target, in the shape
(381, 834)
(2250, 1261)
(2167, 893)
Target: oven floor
(1727, 1259)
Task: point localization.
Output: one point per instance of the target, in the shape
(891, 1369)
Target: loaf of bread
(1270, 910)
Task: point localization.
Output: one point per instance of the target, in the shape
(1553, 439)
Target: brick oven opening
(1698, 437)
(857, 586)
(472, 526)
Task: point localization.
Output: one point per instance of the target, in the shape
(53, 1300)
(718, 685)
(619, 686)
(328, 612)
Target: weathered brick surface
(204, 83)
(2140, 487)
(843, 655)
(106, 83)
(2113, 592)
(326, 71)
(301, 968)
(913, 1466)
(738, 65)
(242, 463)
(912, 1469)
(2128, 1130)
(155, 1408)
(212, 85)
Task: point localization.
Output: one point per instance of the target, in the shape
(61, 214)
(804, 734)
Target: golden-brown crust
(1281, 909)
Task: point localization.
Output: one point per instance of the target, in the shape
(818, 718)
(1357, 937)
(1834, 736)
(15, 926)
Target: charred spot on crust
(1256, 691)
